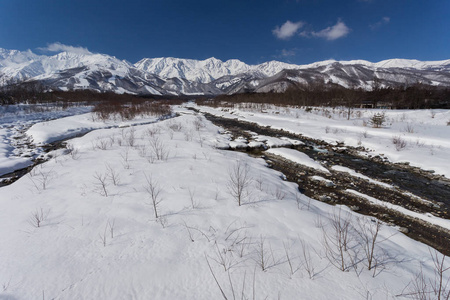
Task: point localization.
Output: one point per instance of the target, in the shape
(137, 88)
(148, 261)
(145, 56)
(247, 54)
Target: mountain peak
(211, 76)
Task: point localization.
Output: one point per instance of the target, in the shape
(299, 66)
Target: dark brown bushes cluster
(127, 111)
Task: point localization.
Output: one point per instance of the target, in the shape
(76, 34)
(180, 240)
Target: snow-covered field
(151, 212)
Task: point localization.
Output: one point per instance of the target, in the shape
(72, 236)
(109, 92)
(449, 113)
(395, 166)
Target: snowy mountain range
(175, 76)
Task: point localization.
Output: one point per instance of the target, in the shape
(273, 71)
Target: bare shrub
(259, 183)
(198, 123)
(337, 239)
(265, 258)
(154, 190)
(130, 108)
(103, 237)
(224, 257)
(113, 175)
(111, 227)
(432, 114)
(190, 229)
(399, 143)
(131, 137)
(5, 285)
(191, 197)
(291, 260)
(365, 134)
(279, 193)
(437, 287)
(239, 181)
(101, 144)
(420, 143)
(368, 232)
(150, 132)
(101, 184)
(163, 221)
(41, 178)
(72, 151)
(175, 126)
(171, 133)
(125, 159)
(38, 217)
(142, 150)
(308, 262)
(409, 128)
(188, 135)
(159, 148)
(440, 282)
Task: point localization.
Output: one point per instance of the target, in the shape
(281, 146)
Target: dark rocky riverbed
(412, 188)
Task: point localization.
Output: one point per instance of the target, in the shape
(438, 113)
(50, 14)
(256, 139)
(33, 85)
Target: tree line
(417, 96)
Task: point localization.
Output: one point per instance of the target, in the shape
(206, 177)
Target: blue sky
(254, 31)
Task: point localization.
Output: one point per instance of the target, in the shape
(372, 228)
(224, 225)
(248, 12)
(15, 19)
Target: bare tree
(239, 181)
(154, 190)
(336, 240)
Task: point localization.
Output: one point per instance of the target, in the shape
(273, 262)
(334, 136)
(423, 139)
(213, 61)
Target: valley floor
(155, 209)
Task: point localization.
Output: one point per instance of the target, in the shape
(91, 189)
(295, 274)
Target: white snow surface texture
(99, 238)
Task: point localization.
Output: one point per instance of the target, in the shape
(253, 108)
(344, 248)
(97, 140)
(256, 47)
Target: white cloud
(383, 21)
(287, 30)
(334, 32)
(58, 47)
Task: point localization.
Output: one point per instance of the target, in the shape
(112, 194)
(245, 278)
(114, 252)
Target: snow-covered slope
(175, 76)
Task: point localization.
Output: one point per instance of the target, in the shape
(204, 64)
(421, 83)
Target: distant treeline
(35, 93)
(413, 97)
(416, 96)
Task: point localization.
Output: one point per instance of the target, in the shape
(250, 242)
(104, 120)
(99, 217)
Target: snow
(444, 223)
(48, 132)
(152, 90)
(298, 157)
(93, 246)
(103, 72)
(14, 152)
(273, 142)
(425, 131)
(320, 178)
(359, 175)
